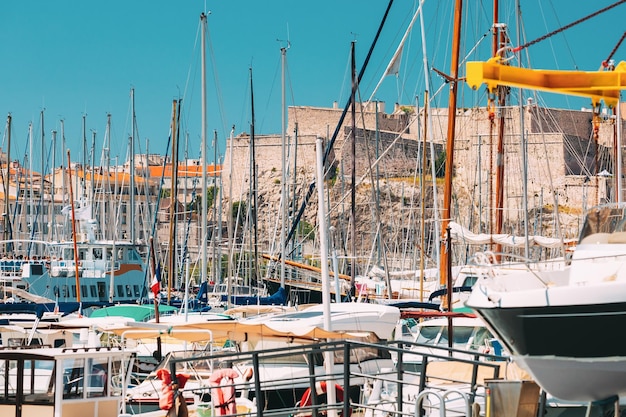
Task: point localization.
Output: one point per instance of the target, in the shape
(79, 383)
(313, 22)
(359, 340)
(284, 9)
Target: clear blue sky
(75, 58)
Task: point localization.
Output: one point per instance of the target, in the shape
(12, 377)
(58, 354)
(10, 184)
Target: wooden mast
(76, 271)
(501, 92)
(173, 204)
(447, 191)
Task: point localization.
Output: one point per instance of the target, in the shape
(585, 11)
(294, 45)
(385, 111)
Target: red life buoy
(321, 388)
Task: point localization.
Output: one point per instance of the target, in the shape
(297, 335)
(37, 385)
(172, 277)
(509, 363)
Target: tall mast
(353, 175)
(173, 205)
(253, 184)
(42, 221)
(230, 220)
(7, 184)
(132, 167)
(63, 160)
(285, 162)
(447, 191)
(52, 213)
(93, 172)
(29, 216)
(74, 237)
(203, 151)
(498, 37)
(84, 163)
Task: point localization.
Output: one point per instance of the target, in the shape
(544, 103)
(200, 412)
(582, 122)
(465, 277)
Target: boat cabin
(55, 382)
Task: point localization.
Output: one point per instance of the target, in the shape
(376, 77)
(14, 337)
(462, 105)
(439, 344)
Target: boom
(597, 85)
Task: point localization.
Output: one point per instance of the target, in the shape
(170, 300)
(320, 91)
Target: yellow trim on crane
(598, 85)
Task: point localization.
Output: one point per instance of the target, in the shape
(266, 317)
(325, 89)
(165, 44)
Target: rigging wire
(605, 63)
(330, 144)
(561, 29)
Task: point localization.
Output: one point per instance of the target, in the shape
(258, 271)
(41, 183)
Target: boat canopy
(133, 311)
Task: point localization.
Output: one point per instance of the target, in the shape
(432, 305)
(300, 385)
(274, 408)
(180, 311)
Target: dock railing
(387, 379)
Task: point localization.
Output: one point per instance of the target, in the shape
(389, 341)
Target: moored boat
(539, 314)
(106, 272)
(63, 382)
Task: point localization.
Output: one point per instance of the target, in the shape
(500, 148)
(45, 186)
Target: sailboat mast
(230, 220)
(523, 146)
(74, 237)
(84, 163)
(253, 184)
(204, 228)
(41, 189)
(173, 205)
(447, 191)
(285, 162)
(132, 167)
(52, 215)
(498, 37)
(7, 184)
(353, 175)
(93, 167)
(618, 152)
(422, 247)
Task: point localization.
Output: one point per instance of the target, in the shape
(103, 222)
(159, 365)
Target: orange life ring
(321, 388)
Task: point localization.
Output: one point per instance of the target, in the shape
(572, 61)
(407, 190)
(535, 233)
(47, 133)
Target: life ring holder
(321, 388)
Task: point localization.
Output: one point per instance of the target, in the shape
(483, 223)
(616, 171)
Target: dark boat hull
(573, 351)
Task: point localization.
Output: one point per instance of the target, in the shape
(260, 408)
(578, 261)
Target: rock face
(561, 160)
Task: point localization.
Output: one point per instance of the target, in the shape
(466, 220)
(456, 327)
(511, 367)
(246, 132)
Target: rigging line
(554, 32)
(605, 63)
(329, 147)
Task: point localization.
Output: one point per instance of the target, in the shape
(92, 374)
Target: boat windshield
(602, 220)
(464, 337)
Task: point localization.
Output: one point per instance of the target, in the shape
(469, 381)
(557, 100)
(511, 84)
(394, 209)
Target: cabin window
(73, 290)
(97, 253)
(64, 291)
(16, 341)
(38, 381)
(92, 291)
(136, 288)
(129, 292)
(461, 335)
(120, 290)
(102, 290)
(9, 391)
(428, 334)
(83, 290)
(133, 255)
(97, 377)
(470, 280)
(73, 381)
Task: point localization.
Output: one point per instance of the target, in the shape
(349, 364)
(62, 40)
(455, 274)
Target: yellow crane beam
(597, 85)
